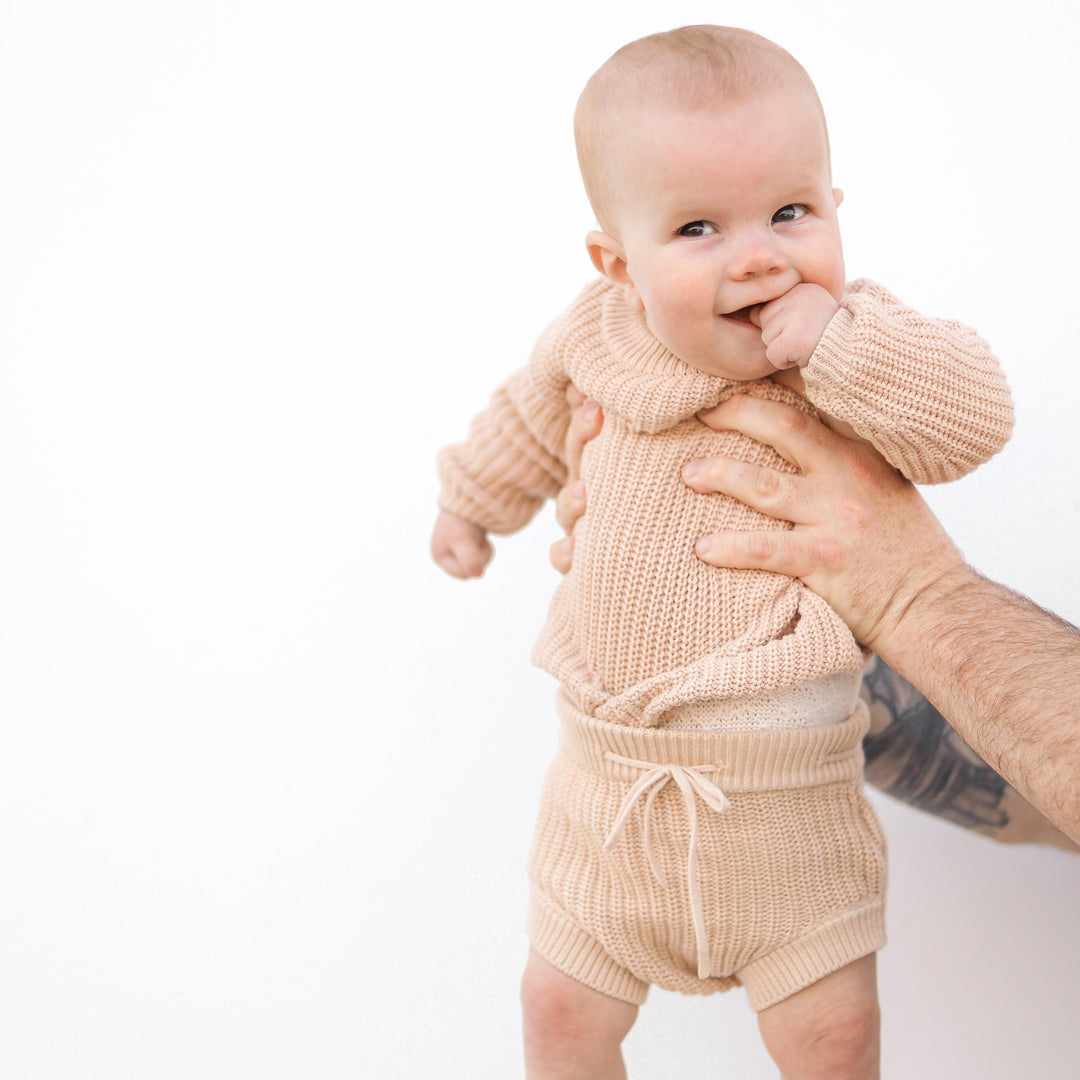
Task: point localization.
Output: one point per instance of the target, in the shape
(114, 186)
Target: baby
(703, 824)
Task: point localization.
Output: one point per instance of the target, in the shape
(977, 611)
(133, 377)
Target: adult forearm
(915, 756)
(1007, 675)
(1004, 672)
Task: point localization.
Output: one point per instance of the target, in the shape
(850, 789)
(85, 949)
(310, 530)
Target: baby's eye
(791, 212)
(697, 228)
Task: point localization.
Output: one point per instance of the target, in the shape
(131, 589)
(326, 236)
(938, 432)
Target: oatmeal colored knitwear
(640, 626)
(701, 860)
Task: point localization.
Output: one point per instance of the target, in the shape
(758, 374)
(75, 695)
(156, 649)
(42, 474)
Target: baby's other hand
(461, 548)
(792, 324)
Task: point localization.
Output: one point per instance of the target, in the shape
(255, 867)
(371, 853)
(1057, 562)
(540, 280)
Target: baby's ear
(607, 255)
(838, 197)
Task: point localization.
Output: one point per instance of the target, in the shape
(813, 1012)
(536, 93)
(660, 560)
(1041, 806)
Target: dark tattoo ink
(918, 758)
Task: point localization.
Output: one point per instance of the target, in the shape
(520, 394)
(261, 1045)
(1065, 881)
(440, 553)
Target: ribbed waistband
(768, 760)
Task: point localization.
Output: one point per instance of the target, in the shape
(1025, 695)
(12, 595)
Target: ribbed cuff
(796, 966)
(572, 951)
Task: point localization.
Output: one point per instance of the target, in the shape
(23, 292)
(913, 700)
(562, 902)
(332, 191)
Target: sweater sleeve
(927, 392)
(513, 458)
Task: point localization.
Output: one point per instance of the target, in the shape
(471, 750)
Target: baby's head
(706, 159)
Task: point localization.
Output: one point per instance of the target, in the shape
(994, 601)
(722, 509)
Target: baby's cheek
(829, 274)
(682, 297)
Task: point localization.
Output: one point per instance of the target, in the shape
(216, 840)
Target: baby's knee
(559, 1014)
(549, 1013)
(833, 1044)
(848, 1032)
(548, 1017)
(830, 1030)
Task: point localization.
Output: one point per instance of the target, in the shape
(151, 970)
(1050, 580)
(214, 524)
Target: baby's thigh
(829, 1030)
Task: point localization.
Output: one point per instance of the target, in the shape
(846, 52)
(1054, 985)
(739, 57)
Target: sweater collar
(629, 371)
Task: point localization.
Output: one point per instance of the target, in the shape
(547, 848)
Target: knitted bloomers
(702, 860)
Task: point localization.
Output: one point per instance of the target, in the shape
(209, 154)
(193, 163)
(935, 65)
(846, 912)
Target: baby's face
(719, 211)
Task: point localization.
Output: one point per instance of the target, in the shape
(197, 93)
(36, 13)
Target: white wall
(267, 778)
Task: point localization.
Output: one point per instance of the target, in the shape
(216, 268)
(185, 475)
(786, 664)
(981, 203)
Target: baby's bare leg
(571, 1032)
(830, 1030)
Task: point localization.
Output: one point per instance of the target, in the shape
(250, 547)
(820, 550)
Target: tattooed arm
(911, 752)
(913, 755)
(1004, 671)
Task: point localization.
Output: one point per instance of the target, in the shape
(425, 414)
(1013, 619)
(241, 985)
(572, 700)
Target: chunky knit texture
(640, 626)
(699, 861)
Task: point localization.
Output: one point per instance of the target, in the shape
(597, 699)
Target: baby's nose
(755, 258)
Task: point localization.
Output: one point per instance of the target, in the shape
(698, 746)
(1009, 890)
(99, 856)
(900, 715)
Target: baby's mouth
(743, 315)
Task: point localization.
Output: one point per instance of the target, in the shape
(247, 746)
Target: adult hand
(863, 537)
(846, 497)
(585, 423)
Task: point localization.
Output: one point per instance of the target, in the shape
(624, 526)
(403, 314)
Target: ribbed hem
(571, 950)
(794, 967)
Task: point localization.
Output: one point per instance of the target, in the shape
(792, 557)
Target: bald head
(694, 68)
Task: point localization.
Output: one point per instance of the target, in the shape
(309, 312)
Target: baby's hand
(461, 548)
(792, 324)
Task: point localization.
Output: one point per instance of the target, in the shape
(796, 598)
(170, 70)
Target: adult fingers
(798, 438)
(586, 419)
(561, 554)
(570, 505)
(585, 423)
(781, 551)
(780, 495)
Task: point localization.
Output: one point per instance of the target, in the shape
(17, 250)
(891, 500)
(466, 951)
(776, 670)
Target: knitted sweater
(640, 626)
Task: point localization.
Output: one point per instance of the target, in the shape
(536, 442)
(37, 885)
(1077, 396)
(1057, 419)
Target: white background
(267, 778)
